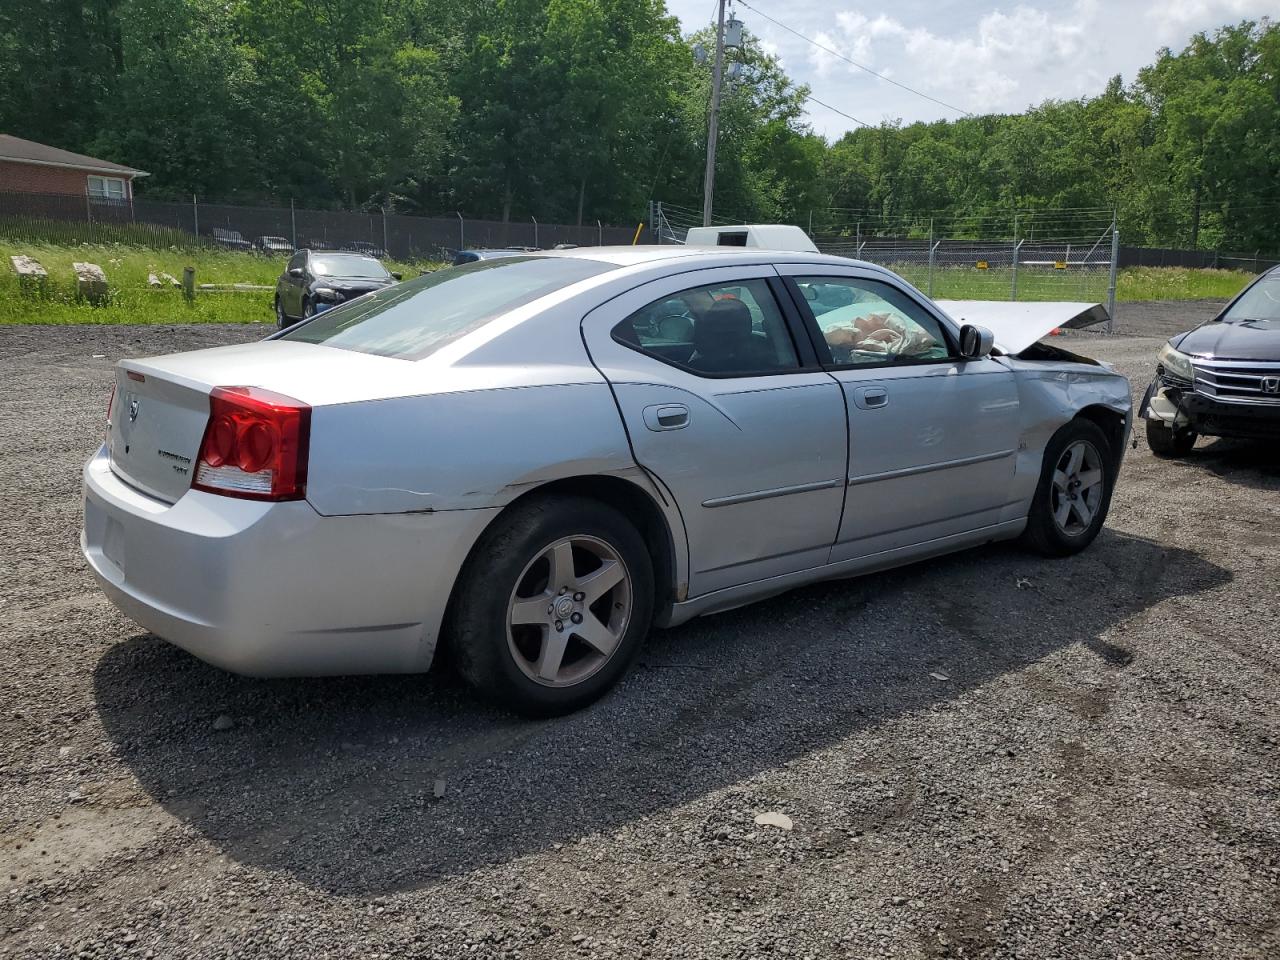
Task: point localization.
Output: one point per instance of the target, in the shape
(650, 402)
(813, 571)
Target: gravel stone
(1100, 777)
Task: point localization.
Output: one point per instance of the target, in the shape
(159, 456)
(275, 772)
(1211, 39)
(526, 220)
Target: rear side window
(723, 330)
(416, 318)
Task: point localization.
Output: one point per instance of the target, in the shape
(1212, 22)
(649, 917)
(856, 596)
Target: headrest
(725, 325)
(837, 294)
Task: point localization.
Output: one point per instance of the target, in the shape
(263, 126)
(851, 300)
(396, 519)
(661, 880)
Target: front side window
(414, 319)
(731, 329)
(869, 322)
(106, 188)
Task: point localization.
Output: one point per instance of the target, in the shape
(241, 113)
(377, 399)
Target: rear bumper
(275, 589)
(1183, 408)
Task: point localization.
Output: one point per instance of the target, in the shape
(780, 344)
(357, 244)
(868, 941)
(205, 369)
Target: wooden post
(189, 284)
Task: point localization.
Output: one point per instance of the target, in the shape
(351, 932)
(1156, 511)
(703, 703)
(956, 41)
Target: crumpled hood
(1018, 324)
(1238, 340)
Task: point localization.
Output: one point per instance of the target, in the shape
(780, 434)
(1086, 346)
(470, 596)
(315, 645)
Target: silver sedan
(535, 459)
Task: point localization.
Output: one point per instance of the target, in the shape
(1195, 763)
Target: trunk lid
(161, 404)
(155, 434)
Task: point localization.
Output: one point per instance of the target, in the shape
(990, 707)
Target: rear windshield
(328, 265)
(416, 318)
(1259, 302)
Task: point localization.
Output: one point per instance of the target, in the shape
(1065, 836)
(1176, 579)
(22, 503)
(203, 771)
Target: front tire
(553, 605)
(1074, 493)
(282, 321)
(1169, 442)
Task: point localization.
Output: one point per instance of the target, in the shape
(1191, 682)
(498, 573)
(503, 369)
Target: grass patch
(1179, 283)
(131, 300)
(74, 233)
(996, 283)
(1038, 283)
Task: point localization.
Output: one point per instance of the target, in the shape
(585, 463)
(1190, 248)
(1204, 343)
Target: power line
(847, 116)
(841, 56)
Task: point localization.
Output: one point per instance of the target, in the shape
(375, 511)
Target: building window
(107, 188)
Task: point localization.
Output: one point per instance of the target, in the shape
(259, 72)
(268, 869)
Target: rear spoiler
(1018, 324)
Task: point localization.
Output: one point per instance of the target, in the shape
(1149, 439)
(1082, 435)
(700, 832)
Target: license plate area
(113, 542)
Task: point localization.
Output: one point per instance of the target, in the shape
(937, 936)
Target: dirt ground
(990, 754)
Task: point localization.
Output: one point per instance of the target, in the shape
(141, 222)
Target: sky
(982, 57)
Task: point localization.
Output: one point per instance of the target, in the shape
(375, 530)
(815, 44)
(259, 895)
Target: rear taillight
(254, 446)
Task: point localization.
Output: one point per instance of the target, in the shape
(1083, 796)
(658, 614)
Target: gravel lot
(1097, 776)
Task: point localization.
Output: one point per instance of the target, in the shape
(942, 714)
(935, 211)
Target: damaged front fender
(1052, 392)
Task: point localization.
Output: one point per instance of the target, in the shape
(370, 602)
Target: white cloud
(1001, 57)
(773, 50)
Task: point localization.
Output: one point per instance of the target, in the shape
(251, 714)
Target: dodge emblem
(133, 410)
(1271, 385)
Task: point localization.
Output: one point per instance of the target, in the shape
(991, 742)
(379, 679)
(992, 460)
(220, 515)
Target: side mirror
(397, 276)
(295, 271)
(975, 342)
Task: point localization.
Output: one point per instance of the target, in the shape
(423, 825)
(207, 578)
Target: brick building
(29, 167)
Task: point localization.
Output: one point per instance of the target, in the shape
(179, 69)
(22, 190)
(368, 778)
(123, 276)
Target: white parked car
(535, 458)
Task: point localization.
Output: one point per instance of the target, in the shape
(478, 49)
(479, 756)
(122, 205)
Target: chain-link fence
(1068, 255)
(45, 218)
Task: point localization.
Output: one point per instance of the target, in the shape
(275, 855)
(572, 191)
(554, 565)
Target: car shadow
(1249, 463)
(361, 786)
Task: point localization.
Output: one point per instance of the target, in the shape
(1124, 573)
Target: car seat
(723, 341)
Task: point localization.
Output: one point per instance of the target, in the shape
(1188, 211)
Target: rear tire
(530, 628)
(1074, 493)
(1169, 442)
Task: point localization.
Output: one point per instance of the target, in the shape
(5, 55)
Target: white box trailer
(766, 236)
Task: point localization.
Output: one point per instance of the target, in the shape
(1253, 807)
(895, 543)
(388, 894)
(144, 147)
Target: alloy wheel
(1077, 487)
(569, 611)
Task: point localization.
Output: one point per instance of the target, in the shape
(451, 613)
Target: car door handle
(871, 398)
(666, 416)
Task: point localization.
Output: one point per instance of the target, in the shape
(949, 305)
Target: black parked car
(272, 246)
(230, 239)
(1221, 379)
(316, 280)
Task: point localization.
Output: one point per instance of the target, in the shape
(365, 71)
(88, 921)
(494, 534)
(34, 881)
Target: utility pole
(713, 127)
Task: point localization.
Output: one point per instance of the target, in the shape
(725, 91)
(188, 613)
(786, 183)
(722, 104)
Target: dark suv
(315, 280)
(1221, 379)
